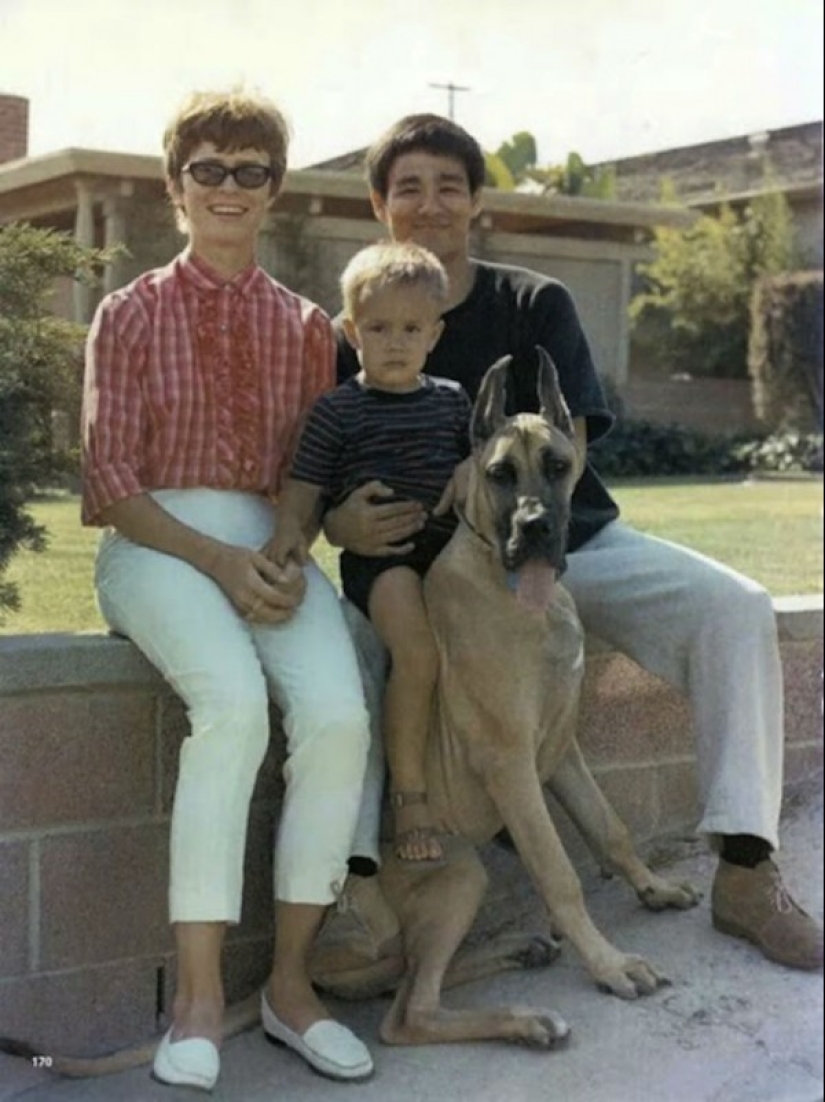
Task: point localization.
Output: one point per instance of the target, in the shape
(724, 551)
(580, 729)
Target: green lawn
(771, 530)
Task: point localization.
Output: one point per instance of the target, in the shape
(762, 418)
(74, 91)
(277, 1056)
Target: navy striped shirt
(412, 442)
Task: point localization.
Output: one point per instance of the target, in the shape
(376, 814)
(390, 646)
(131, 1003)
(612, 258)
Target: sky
(607, 78)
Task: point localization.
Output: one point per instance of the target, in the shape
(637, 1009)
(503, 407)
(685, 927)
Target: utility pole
(451, 89)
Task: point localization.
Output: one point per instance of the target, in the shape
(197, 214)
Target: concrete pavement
(731, 1028)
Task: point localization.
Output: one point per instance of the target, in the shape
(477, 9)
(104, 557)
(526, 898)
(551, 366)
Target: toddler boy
(409, 431)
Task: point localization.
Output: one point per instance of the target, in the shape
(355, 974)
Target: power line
(451, 90)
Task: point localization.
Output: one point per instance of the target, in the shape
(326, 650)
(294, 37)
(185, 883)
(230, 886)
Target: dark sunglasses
(247, 175)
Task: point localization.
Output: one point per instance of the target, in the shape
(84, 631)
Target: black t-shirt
(510, 311)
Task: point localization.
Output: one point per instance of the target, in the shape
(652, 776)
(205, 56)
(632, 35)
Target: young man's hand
(364, 526)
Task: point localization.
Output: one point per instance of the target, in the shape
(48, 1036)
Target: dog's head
(524, 471)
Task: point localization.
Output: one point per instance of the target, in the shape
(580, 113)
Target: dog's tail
(240, 1017)
(79, 1067)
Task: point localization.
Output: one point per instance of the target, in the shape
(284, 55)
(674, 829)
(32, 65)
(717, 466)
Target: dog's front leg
(575, 788)
(432, 933)
(516, 791)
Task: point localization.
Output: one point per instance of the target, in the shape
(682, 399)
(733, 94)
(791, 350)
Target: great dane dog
(511, 660)
(511, 652)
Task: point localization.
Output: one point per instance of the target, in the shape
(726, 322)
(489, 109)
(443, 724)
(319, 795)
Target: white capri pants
(224, 668)
(702, 627)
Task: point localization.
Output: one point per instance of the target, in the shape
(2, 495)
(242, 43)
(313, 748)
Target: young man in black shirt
(702, 627)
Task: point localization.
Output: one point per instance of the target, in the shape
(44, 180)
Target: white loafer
(327, 1046)
(192, 1062)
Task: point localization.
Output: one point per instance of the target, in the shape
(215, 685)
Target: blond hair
(229, 120)
(392, 264)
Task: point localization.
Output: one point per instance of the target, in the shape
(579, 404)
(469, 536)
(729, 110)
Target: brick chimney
(14, 127)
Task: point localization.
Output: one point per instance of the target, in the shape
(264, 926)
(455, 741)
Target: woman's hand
(261, 591)
(365, 527)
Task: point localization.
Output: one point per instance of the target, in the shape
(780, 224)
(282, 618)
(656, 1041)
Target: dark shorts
(358, 572)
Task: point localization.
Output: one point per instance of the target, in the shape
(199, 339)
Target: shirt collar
(195, 270)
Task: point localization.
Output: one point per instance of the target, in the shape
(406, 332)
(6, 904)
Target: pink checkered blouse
(195, 381)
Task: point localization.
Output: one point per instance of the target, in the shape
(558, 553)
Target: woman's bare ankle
(293, 1001)
(198, 1017)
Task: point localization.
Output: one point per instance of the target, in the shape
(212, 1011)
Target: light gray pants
(223, 668)
(702, 627)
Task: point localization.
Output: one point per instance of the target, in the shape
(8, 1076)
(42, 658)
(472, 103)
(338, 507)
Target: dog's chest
(500, 656)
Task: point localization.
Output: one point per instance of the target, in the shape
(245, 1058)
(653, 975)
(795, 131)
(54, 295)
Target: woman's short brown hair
(230, 120)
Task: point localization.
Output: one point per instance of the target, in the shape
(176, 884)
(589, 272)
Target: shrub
(639, 449)
(643, 449)
(39, 358)
(785, 351)
(788, 451)
(696, 301)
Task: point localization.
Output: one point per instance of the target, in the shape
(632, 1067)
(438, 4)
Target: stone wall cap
(91, 659)
(799, 618)
(62, 660)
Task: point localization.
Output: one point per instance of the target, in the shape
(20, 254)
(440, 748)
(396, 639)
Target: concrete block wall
(707, 405)
(89, 739)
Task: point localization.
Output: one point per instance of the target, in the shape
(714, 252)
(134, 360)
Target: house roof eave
(31, 171)
(799, 192)
(56, 175)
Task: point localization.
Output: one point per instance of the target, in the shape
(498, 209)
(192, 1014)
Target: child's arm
(455, 492)
(299, 519)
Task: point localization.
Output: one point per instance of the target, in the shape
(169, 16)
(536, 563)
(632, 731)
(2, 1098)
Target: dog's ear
(552, 405)
(488, 411)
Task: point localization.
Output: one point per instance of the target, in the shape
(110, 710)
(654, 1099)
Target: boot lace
(345, 902)
(781, 899)
(342, 903)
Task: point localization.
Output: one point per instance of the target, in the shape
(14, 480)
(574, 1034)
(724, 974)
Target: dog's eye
(502, 474)
(555, 467)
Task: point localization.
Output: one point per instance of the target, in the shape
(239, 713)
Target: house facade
(735, 170)
(320, 220)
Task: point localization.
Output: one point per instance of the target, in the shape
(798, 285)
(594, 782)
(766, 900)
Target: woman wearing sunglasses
(197, 378)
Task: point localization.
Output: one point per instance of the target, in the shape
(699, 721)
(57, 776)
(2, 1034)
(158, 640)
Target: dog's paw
(630, 976)
(661, 895)
(537, 952)
(543, 1029)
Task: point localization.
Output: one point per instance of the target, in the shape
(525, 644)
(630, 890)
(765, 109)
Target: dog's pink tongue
(535, 584)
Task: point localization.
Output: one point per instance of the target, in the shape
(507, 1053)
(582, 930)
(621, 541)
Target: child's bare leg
(397, 611)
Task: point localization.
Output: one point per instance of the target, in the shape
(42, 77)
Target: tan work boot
(360, 924)
(754, 904)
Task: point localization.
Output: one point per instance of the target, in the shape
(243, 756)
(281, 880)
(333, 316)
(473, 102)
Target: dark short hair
(230, 120)
(432, 134)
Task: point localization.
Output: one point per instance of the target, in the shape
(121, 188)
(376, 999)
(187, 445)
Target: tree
(785, 351)
(575, 177)
(695, 308)
(511, 161)
(40, 357)
(515, 163)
